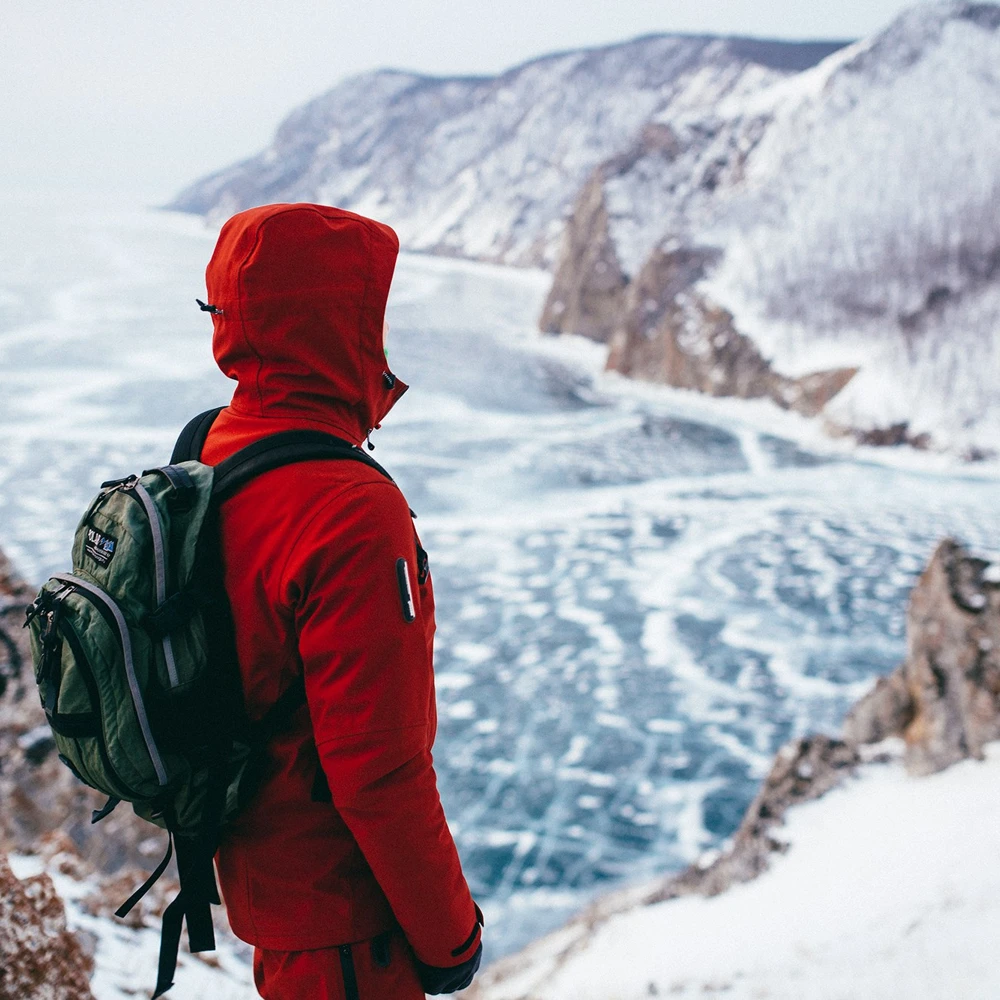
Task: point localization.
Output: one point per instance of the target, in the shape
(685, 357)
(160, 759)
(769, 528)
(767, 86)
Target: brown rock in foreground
(803, 769)
(944, 699)
(40, 958)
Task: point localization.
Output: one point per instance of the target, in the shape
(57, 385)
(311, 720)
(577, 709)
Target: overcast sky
(143, 98)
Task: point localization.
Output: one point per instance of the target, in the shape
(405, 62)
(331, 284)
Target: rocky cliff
(942, 704)
(944, 699)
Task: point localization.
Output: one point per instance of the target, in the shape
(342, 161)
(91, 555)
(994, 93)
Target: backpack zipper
(139, 492)
(98, 597)
(69, 633)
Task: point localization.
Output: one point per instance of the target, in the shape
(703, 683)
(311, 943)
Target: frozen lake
(641, 593)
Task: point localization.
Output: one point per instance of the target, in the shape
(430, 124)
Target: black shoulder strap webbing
(280, 449)
(192, 438)
(192, 905)
(267, 453)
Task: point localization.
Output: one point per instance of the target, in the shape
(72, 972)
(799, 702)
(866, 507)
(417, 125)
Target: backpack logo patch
(100, 547)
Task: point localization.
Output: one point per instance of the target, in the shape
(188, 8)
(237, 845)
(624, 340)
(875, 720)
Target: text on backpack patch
(100, 547)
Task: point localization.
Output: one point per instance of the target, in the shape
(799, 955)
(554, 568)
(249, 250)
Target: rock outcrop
(672, 333)
(804, 769)
(588, 289)
(944, 699)
(40, 958)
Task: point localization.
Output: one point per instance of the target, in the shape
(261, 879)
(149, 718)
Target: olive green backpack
(136, 667)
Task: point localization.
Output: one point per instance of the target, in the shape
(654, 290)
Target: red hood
(302, 291)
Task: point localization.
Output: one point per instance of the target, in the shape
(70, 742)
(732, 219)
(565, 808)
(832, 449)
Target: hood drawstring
(368, 436)
(207, 308)
(389, 380)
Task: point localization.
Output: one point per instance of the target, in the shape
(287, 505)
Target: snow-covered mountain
(844, 221)
(813, 223)
(488, 167)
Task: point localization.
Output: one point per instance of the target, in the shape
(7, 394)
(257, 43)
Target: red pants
(381, 969)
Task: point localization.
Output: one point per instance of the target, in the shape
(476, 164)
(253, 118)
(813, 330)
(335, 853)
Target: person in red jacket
(342, 872)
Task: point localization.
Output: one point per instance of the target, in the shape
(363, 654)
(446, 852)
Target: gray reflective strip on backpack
(133, 681)
(160, 558)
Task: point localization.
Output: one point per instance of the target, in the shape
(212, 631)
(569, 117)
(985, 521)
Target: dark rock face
(671, 333)
(944, 699)
(894, 434)
(40, 958)
(588, 288)
(804, 769)
(14, 596)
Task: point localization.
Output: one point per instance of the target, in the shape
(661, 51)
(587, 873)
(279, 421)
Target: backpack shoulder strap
(192, 438)
(284, 448)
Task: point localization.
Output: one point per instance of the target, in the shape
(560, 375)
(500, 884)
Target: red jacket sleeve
(366, 655)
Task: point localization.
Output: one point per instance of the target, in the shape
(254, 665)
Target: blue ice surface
(634, 612)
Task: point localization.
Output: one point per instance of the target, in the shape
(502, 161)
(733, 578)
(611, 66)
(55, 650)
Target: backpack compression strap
(194, 865)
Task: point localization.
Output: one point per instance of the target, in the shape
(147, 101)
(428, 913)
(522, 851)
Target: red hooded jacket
(310, 554)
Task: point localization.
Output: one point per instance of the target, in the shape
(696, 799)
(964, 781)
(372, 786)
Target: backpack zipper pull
(112, 485)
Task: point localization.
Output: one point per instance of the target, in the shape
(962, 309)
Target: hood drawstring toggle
(207, 308)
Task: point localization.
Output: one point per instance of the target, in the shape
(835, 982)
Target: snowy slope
(890, 888)
(866, 232)
(488, 167)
